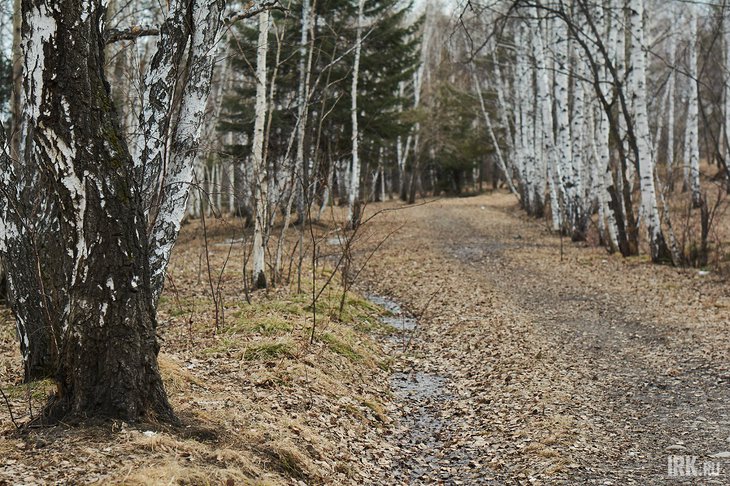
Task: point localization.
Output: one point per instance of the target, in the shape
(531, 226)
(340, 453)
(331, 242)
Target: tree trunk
(643, 152)
(671, 84)
(105, 342)
(305, 62)
(259, 165)
(17, 73)
(490, 130)
(692, 166)
(563, 147)
(170, 123)
(91, 246)
(353, 203)
(577, 203)
(30, 241)
(546, 164)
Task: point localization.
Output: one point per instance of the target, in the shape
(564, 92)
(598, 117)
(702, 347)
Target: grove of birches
(123, 121)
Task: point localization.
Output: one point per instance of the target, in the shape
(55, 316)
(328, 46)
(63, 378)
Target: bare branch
(130, 33)
(134, 32)
(251, 10)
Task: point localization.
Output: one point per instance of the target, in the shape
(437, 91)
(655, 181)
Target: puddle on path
(424, 435)
(420, 427)
(397, 319)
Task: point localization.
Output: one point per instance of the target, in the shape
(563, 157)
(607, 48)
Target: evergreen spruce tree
(389, 56)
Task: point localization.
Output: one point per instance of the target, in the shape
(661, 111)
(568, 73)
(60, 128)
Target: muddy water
(398, 319)
(420, 396)
(424, 435)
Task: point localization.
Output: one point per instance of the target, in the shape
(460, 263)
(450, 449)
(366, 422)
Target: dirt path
(590, 370)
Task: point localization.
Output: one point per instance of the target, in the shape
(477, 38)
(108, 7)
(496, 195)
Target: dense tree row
(600, 109)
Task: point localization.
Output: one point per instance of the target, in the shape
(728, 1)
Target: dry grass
(177, 379)
(261, 404)
(189, 462)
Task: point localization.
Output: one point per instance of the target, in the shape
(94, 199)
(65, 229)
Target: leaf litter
(585, 369)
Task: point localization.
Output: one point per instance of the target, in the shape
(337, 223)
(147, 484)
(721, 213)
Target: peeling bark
(103, 342)
(170, 183)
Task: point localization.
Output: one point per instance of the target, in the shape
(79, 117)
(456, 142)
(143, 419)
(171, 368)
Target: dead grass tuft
(286, 458)
(176, 378)
(268, 350)
(176, 472)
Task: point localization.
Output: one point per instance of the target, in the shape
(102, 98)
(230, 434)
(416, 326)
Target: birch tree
(493, 137)
(103, 345)
(305, 64)
(671, 88)
(525, 126)
(692, 161)
(547, 162)
(114, 219)
(603, 174)
(259, 164)
(576, 209)
(353, 203)
(563, 145)
(605, 95)
(643, 149)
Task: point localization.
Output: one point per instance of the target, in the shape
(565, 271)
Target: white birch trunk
(231, 171)
(563, 148)
(259, 164)
(353, 208)
(576, 205)
(616, 52)
(618, 32)
(501, 87)
(602, 177)
(305, 61)
(671, 88)
(637, 92)
(525, 123)
(692, 166)
(518, 96)
(168, 146)
(546, 164)
(490, 129)
(603, 135)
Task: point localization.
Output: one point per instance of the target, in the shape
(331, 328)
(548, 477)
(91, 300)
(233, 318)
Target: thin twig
(10, 409)
(210, 275)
